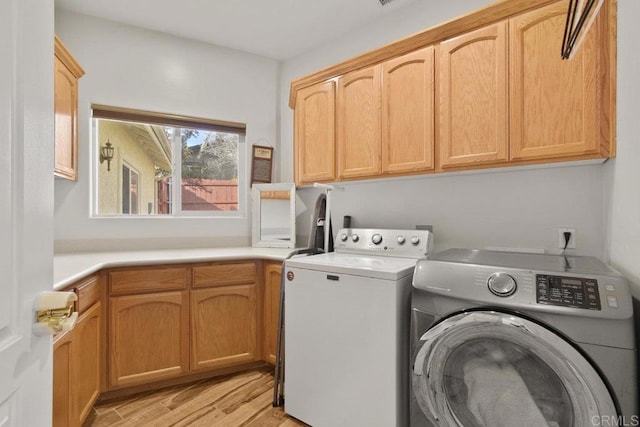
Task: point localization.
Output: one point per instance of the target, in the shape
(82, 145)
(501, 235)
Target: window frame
(175, 194)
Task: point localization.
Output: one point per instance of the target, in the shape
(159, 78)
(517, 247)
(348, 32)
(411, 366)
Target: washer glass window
(495, 369)
(509, 369)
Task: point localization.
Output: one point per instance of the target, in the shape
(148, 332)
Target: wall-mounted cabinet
(407, 113)
(358, 123)
(384, 121)
(555, 103)
(473, 98)
(67, 71)
(315, 140)
(504, 97)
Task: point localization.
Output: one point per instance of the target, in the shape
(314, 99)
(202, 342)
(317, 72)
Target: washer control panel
(400, 243)
(567, 291)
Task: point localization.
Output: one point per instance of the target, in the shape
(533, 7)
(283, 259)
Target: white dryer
(505, 339)
(347, 329)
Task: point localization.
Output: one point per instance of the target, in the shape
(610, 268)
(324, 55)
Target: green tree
(215, 158)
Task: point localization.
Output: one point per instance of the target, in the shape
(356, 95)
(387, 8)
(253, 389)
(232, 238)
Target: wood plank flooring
(242, 399)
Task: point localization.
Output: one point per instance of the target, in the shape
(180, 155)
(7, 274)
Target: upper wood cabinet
(555, 103)
(223, 326)
(503, 97)
(272, 283)
(314, 144)
(358, 123)
(66, 74)
(148, 337)
(473, 98)
(407, 113)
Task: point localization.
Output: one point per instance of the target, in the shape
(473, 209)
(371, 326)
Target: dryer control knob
(376, 239)
(344, 237)
(355, 238)
(401, 240)
(501, 284)
(415, 240)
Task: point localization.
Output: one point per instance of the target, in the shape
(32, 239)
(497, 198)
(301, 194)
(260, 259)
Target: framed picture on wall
(261, 164)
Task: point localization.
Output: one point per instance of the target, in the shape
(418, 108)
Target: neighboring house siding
(128, 150)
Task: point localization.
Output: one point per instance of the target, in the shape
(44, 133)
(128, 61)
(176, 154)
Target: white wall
(498, 209)
(622, 184)
(509, 209)
(134, 68)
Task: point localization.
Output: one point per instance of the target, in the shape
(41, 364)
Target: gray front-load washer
(510, 339)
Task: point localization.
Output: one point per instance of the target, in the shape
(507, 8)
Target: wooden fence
(202, 195)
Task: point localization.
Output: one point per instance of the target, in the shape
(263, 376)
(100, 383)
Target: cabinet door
(88, 358)
(63, 386)
(473, 99)
(407, 113)
(272, 281)
(315, 133)
(554, 102)
(358, 120)
(223, 326)
(148, 337)
(66, 112)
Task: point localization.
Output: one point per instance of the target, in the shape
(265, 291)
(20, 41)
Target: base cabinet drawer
(148, 337)
(154, 279)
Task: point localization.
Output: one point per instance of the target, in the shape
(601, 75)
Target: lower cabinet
(272, 278)
(224, 315)
(87, 367)
(63, 384)
(148, 337)
(223, 326)
(78, 359)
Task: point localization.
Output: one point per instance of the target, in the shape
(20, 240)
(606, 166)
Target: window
(170, 165)
(129, 190)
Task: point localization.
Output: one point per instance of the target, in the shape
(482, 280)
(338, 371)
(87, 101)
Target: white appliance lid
(378, 267)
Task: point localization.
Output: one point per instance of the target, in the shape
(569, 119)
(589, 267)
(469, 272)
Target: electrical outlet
(572, 239)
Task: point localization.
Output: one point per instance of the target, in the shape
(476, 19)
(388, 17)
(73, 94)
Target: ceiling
(279, 29)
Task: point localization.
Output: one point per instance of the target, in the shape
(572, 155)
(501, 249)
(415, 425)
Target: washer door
(491, 369)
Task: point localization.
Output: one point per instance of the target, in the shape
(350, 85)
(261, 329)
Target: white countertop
(70, 267)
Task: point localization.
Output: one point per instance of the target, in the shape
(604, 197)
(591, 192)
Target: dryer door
(492, 369)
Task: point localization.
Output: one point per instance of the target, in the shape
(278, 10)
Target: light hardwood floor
(242, 399)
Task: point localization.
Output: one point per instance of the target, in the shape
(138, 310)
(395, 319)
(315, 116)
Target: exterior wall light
(106, 153)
